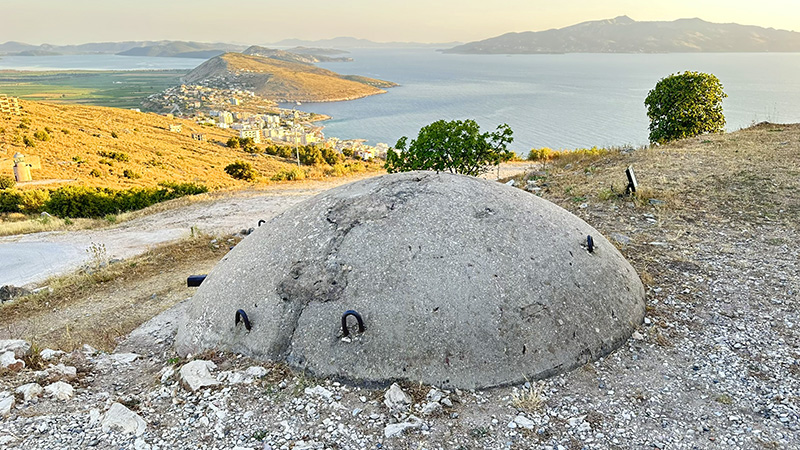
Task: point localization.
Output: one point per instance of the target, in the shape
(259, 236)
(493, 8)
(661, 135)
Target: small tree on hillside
(457, 146)
(684, 105)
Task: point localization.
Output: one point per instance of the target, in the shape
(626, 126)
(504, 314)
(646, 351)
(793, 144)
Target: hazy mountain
(282, 81)
(283, 55)
(182, 49)
(132, 48)
(351, 42)
(625, 35)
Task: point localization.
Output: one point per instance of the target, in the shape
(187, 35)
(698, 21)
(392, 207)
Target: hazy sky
(264, 21)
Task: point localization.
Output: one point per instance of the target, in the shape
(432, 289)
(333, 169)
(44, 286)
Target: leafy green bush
(42, 135)
(289, 175)
(234, 142)
(7, 182)
(331, 156)
(310, 155)
(10, 200)
(684, 105)
(82, 201)
(117, 156)
(457, 146)
(28, 141)
(95, 173)
(241, 170)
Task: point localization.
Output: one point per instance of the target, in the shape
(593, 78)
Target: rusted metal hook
(241, 315)
(350, 312)
(262, 221)
(590, 243)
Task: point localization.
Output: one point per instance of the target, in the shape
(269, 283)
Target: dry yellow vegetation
(79, 136)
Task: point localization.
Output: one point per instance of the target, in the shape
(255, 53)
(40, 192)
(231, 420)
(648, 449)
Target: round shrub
(7, 182)
(241, 170)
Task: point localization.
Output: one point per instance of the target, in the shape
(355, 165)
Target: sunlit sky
(265, 21)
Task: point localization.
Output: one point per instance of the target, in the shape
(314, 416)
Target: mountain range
(127, 48)
(625, 35)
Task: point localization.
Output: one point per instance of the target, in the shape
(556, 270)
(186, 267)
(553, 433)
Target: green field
(119, 89)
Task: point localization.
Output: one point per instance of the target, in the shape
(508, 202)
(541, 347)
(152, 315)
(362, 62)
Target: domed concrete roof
(461, 282)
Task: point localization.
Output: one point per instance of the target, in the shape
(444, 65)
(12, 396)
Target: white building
(253, 134)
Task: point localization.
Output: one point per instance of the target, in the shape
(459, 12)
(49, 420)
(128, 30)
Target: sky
(266, 21)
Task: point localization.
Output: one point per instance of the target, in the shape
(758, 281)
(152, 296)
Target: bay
(556, 101)
(96, 62)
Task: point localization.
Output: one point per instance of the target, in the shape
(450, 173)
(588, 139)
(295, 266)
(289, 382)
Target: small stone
(59, 390)
(121, 418)
(124, 358)
(524, 422)
(29, 391)
(620, 238)
(62, 372)
(319, 391)
(256, 371)
(395, 399)
(6, 403)
(166, 374)
(9, 292)
(434, 395)
(637, 336)
(195, 374)
(18, 346)
(396, 429)
(657, 202)
(89, 350)
(94, 417)
(10, 362)
(431, 408)
(48, 354)
(446, 402)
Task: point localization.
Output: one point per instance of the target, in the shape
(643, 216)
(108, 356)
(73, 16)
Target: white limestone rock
(9, 361)
(396, 429)
(6, 403)
(49, 354)
(395, 399)
(196, 374)
(18, 346)
(29, 391)
(123, 419)
(59, 390)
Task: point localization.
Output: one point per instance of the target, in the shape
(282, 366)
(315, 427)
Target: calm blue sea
(95, 62)
(557, 101)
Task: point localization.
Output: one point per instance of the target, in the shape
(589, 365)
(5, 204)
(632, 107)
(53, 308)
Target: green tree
(457, 146)
(684, 105)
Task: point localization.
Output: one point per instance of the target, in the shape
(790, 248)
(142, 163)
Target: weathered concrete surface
(461, 282)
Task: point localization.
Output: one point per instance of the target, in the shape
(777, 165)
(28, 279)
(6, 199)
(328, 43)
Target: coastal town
(263, 121)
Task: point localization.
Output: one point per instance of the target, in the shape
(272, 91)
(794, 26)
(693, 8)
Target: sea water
(556, 101)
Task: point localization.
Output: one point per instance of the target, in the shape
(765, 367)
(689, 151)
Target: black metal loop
(350, 312)
(262, 221)
(195, 280)
(590, 243)
(241, 315)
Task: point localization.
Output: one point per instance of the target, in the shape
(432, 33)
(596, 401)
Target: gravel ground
(716, 365)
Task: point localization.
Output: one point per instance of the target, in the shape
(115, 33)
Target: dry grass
(530, 398)
(97, 306)
(79, 134)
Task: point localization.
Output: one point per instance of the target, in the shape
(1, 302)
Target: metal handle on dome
(350, 312)
(241, 315)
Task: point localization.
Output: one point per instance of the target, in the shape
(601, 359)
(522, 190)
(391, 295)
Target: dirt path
(32, 258)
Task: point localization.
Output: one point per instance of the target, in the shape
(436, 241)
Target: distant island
(278, 80)
(625, 35)
(185, 49)
(303, 55)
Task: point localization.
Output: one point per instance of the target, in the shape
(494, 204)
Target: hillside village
(253, 117)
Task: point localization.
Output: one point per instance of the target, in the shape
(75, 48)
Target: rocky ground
(716, 363)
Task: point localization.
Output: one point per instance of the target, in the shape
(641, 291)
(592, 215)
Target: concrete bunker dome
(461, 282)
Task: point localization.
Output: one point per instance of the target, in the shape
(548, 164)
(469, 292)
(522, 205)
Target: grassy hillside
(281, 80)
(139, 143)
